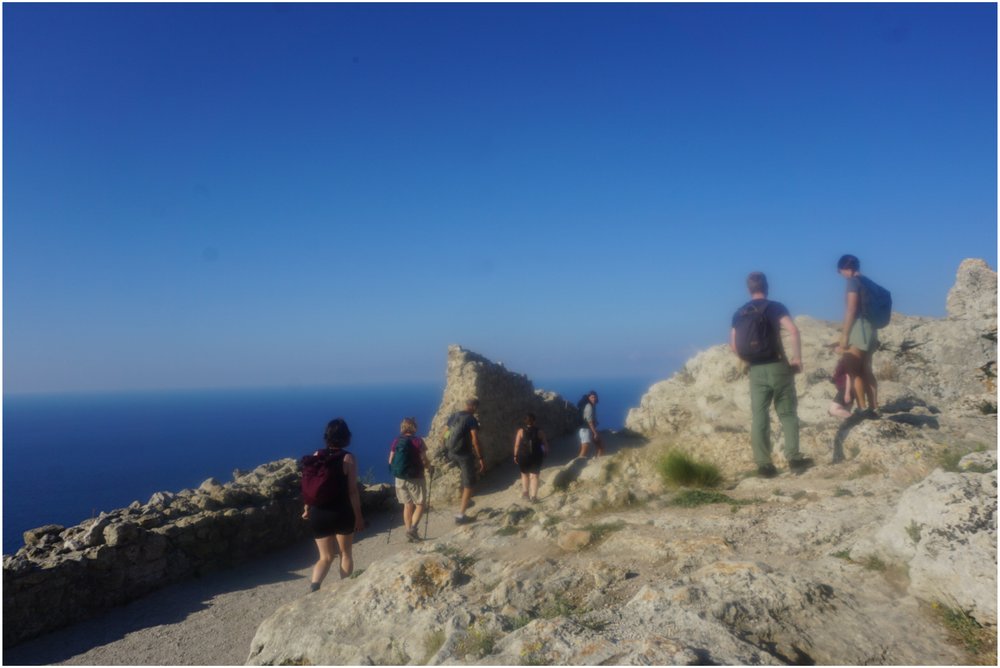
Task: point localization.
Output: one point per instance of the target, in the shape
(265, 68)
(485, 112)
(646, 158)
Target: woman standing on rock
(332, 501)
(859, 337)
(530, 448)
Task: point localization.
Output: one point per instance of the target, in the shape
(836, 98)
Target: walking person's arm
(517, 442)
(591, 423)
(474, 433)
(850, 315)
(732, 341)
(351, 469)
(545, 442)
(795, 361)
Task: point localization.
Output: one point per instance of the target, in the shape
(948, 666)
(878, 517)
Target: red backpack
(323, 479)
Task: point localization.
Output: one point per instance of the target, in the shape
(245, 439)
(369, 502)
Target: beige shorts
(411, 491)
(863, 336)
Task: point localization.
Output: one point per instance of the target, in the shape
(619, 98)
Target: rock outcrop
(504, 399)
(63, 575)
(945, 532)
(936, 376)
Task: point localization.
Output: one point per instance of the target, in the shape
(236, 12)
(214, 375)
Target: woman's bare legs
(327, 551)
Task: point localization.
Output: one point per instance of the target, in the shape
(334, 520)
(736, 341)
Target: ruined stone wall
(63, 575)
(504, 399)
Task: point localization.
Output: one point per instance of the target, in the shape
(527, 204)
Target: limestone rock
(574, 539)
(945, 530)
(924, 366)
(43, 535)
(464, 602)
(974, 294)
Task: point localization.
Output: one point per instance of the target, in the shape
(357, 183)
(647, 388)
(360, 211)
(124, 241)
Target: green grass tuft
(477, 642)
(432, 643)
(600, 531)
(679, 469)
(691, 498)
(980, 643)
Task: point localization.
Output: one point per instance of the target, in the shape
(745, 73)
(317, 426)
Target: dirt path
(212, 620)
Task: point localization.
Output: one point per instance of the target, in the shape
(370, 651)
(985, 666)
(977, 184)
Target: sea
(69, 457)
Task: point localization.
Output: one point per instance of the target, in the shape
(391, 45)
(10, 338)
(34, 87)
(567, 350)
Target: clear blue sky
(253, 195)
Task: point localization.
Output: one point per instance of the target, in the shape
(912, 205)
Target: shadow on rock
(838, 440)
(916, 420)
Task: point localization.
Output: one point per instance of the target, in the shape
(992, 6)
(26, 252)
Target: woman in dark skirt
(530, 448)
(335, 521)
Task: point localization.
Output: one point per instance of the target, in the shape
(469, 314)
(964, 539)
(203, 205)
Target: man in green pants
(755, 337)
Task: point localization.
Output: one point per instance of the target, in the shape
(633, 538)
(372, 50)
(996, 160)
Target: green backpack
(406, 459)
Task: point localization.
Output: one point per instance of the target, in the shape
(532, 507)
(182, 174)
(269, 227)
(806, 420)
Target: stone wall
(63, 575)
(504, 399)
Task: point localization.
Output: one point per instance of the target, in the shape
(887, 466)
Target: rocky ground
(611, 569)
(615, 570)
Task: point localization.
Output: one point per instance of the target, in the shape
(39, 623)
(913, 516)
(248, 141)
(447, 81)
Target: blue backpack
(876, 303)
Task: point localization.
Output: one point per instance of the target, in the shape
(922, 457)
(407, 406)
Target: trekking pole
(389, 532)
(427, 517)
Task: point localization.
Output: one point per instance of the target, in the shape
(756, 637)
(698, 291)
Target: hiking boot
(524, 495)
(801, 464)
(767, 471)
(461, 519)
(871, 414)
(412, 535)
(533, 499)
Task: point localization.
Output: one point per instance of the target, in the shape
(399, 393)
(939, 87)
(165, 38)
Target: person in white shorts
(588, 432)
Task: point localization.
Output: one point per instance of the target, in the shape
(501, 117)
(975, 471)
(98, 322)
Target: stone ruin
(504, 399)
(63, 575)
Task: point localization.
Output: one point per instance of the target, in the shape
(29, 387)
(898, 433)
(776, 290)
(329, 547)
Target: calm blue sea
(68, 457)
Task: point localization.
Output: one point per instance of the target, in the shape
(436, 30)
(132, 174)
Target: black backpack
(405, 459)
(529, 442)
(581, 406)
(454, 434)
(755, 336)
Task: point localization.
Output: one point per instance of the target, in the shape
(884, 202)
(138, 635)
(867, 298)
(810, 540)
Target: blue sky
(231, 195)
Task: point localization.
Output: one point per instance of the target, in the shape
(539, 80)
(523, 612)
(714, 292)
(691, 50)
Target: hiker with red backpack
(408, 461)
(868, 308)
(332, 501)
(755, 337)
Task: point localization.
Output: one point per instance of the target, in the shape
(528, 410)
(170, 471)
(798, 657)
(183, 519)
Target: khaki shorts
(411, 491)
(863, 336)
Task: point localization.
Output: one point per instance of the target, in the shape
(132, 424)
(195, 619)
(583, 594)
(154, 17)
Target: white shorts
(585, 436)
